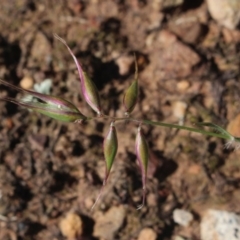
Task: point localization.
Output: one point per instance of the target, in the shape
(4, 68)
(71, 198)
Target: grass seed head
(142, 152)
(110, 146)
(131, 95)
(51, 106)
(89, 89)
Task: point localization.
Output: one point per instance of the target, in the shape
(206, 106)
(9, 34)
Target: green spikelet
(131, 95)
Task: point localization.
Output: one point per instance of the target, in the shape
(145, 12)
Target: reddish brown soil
(49, 168)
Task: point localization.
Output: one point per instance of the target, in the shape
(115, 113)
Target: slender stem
(201, 131)
(168, 125)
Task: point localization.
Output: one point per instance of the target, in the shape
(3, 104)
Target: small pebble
(147, 234)
(182, 217)
(179, 110)
(26, 83)
(179, 238)
(107, 224)
(124, 64)
(151, 200)
(234, 126)
(225, 12)
(183, 85)
(71, 226)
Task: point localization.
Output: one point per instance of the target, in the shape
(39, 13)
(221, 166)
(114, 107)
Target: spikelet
(89, 89)
(110, 146)
(131, 95)
(142, 152)
(51, 106)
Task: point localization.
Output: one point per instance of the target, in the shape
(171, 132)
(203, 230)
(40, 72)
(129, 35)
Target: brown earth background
(51, 172)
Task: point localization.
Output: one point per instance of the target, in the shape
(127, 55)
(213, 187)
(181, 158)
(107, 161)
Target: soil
(188, 73)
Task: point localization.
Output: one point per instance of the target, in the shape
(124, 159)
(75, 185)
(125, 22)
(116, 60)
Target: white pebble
(220, 225)
(182, 217)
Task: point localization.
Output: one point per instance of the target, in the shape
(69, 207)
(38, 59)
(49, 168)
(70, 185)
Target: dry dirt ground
(51, 172)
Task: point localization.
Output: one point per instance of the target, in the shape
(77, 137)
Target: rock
(179, 238)
(147, 234)
(189, 30)
(164, 4)
(26, 83)
(152, 200)
(183, 85)
(179, 110)
(155, 21)
(182, 217)
(37, 141)
(234, 126)
(44, 86)
(71, 226)
(231, 36)
(124, 64)
(212, 36)
(107, 8)
(88, 202)
(107, 224)
(220, 225)
(41, 56)
(8, 234)
(194, 169)
(225, 12)
(175, 58)
(76, 6)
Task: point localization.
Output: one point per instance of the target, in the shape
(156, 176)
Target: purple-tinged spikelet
(89, 89)
(54, 107)
(90, 93)
(142, 152)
